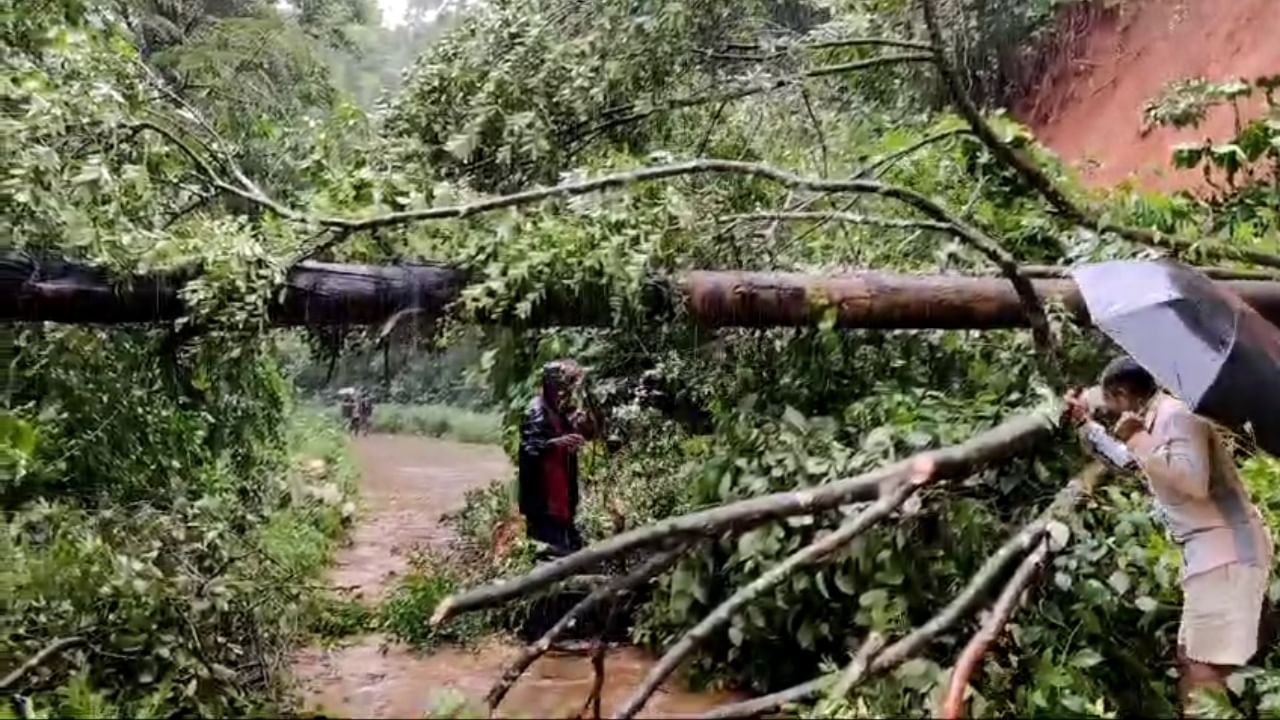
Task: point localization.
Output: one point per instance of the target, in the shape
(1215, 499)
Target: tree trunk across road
(334, 294)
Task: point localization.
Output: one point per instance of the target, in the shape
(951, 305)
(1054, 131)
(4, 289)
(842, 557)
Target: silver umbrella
(1199, 340)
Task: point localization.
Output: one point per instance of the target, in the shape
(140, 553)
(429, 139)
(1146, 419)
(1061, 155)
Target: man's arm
(1107, 446)
(1178, 457)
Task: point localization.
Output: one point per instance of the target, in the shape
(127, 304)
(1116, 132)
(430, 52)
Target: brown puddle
(407, 484)
(360, 680)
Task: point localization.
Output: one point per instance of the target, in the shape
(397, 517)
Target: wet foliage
(167, 506)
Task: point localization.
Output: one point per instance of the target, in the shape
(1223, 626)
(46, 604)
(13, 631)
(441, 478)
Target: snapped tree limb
(891, 498)
(651, 567)
(1004, 441)
(961, 606)
(953, 705)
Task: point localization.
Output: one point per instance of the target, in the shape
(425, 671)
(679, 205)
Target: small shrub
(405, 613)
(334, 618)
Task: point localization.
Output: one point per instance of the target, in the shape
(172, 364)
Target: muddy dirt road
(408, 483)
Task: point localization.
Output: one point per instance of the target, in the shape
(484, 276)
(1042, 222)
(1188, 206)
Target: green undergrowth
(444, 421)
(183, 557)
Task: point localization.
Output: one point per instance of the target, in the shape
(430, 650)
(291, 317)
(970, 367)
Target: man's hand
(572, 441)
(1130, 424)
(1077, 407)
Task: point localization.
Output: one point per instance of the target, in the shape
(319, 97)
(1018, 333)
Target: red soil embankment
(1090, 111)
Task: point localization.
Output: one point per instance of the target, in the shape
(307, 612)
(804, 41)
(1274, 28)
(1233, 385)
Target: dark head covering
(561, 375)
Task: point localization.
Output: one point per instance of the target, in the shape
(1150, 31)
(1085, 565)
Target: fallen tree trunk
(333, 294)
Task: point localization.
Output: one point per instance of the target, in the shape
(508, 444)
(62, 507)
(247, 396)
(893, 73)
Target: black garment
(562, 536)
(535, 432)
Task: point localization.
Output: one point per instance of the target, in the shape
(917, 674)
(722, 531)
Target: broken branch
(891, 498)
(1006, 440)
(1017, 547)
(649, 568)
(953, 706)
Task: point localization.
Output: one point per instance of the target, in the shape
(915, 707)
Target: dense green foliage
(150, 504)
(164, 502)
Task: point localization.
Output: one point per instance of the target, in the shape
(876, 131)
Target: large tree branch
(1006, 440)
(1041, 182)
(891, 498)
(953, 706)
(979, 586)
(654, 565)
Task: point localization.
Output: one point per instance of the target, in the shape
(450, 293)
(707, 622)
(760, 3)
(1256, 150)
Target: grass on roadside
(440, 421)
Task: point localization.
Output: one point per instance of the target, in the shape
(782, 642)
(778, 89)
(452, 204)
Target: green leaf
(794, 418)
(735, 635)
(874, 598)
(844, 581)
(1086, 659)
(1229, 157)
(461, 145)
(1120, 582)
(806, 635)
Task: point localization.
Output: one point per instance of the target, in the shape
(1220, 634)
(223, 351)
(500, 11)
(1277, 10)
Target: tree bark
(332, 294)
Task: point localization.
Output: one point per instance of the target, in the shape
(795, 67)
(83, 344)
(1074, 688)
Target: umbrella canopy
(1199, 340)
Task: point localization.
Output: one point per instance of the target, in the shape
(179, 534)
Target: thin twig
(817, 128)
(40, 658)
(880, 164)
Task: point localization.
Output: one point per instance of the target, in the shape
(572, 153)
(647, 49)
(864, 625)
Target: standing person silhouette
(1226, 546)
(548, 460)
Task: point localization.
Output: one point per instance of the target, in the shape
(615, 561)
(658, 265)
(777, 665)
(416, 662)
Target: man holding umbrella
(1226, 547)
(1222, 360)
